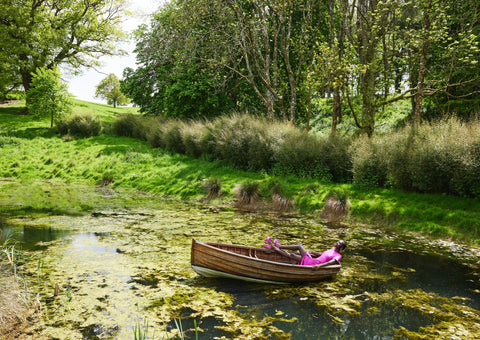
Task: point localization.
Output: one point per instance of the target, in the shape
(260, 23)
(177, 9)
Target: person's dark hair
(341, 245)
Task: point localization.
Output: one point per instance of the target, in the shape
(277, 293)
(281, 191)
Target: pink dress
(326, 256)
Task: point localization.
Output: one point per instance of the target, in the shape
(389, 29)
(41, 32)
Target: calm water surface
(127, 267)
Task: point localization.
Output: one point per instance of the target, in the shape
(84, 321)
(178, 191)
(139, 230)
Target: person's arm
(315, 254)
(332, 261)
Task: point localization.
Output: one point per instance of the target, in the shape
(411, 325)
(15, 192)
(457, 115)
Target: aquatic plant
(13, 306)
(107, 178)
(140, 332)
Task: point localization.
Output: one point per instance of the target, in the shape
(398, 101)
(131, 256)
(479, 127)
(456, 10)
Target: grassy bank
(31, 152)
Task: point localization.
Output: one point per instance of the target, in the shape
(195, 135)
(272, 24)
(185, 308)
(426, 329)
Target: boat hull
(252, 264)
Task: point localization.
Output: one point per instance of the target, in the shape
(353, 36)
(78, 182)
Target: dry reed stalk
(281, 203)
(12, 308)
(335, 210)
(246, 195)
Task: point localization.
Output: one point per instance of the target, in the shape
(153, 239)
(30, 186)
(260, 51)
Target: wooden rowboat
(211, 259)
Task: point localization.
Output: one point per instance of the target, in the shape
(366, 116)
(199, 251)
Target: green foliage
(9, 81)
(167, 134)
(440, 157)
(79, 125)
(131, 125)
(194, 136)
(171, 137)
(48, 95)
(245, 141)
(109, 89)
(338, 194)
(108, 177)
(212, 187)
(369, 167)
(173, 77)
(41, 34)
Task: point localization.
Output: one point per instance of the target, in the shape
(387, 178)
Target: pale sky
(83, 86)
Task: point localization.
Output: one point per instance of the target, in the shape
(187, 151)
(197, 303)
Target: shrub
(336, 206)
(125, 125)
(369, 168)
(192, 135)
(300, 154)
(232, 136)
(207, 142)
(335, 152)
(130, 125)
(265, 143)
(155, 138)
(438, 157)
(107, 178)
(276, 190)
(80, 125)
(171, 137)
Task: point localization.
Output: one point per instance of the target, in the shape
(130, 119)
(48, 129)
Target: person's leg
(294, 256)
(298, 247)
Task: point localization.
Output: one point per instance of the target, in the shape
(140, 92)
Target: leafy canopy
(109, 89)
(39, 33)
(48, 95)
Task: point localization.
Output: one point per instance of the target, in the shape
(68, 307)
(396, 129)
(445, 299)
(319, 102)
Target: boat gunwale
(253, 259)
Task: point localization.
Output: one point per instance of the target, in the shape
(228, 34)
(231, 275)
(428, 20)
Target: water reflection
(32, 238)
(429, 272)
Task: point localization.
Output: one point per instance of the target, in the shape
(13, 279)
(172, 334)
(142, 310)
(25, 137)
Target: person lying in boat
(305, 258)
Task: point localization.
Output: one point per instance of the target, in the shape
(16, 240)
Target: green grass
(31, 152)
(106, 112)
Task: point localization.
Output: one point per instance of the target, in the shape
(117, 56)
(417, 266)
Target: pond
(126, 266)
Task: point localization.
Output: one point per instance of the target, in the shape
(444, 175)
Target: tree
(48, 95)
(276, 39)
(109, 89)
(452, 73)
(211, 55)
(175, 75)
(394, 40)
(40, 33)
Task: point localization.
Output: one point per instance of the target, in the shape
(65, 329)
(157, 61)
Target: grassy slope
(32, 153)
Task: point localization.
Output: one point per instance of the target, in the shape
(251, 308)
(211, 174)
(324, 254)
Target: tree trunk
(337, 100)
(26, 82)
(423, 64)
(309, 107)
(337, 110)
